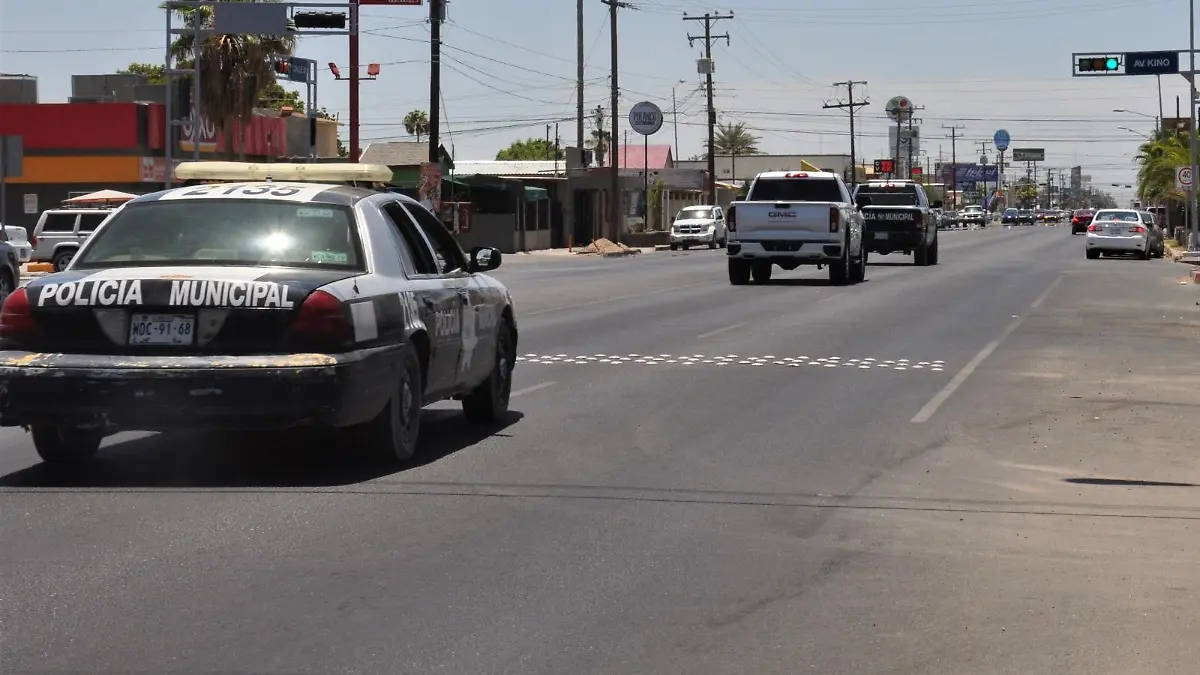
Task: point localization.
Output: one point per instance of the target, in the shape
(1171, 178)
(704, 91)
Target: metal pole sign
(300, 69)
(11, 156)
(1183, 178)
(1001, 139)
(645, 118)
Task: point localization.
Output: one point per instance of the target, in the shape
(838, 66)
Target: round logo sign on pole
(645, 118)
(1001, 139)
(899, 108)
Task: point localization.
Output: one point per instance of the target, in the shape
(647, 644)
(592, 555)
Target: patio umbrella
(102, 196)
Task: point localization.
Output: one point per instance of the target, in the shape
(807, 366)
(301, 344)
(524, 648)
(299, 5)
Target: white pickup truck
(794, 218)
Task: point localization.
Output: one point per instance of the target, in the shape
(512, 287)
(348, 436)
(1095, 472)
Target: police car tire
(387, 437)
(921, 256)
(488, 403)
(933, 252)
(62, 445)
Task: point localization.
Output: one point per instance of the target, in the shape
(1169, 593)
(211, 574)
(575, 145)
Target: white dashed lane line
(733, 360)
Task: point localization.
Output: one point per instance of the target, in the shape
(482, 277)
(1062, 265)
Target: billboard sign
(1151, 63)
(1029, 154)
(970, 173)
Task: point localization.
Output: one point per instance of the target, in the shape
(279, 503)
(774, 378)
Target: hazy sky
(510, 68)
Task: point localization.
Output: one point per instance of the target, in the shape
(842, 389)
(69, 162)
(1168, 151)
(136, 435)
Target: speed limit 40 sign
(1183, 177)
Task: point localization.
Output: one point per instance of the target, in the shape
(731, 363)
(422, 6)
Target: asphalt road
(987, 466)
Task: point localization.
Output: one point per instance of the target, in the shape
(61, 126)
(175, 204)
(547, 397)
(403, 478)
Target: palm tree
(417, 123)
(734, 139)
(598, 142)
(234, 69)
(1157, 159)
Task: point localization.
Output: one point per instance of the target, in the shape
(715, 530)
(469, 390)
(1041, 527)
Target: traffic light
(335, 20)
(1099, 64)
(283, 66)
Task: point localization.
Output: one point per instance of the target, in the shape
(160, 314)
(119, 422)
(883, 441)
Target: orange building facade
(76, 148)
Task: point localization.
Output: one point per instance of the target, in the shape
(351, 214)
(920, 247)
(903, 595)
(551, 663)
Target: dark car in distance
(1081, 219)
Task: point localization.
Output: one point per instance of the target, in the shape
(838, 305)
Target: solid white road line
(720, 330)
(530, 389)
(936, 402)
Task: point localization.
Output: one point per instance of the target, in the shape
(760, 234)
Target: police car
(266, 301)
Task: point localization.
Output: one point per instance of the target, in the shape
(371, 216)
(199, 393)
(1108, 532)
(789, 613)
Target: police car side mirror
(484, 259)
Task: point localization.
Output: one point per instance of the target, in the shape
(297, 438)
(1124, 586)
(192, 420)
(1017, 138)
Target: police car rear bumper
(194, 392)
(886, 241)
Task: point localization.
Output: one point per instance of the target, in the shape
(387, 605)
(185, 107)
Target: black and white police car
(283, 297)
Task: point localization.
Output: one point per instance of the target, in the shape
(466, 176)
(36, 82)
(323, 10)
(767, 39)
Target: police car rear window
(886, 195)
(242, 232)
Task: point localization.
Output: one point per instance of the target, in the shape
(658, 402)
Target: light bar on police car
(312, 173)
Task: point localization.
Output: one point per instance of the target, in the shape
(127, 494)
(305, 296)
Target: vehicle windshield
(973, 209)
(695, 212)
(234, 232)
(1118, 216)
(795, 190)
(887, 195)
(1010, 211)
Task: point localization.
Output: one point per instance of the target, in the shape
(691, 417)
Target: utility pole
(579, 78)
(910, 138)
(953, 164)
(984, 194)
(851, 105)
(615, 198)
(436, 16)
(707, 70)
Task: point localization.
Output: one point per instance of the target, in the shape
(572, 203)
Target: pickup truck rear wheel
(739, 272)
(841, 272)
(761, 272)
(858, 268)
(64, 445)
(921, 256)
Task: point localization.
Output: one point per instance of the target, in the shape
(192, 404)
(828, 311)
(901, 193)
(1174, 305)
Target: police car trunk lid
(171, 310)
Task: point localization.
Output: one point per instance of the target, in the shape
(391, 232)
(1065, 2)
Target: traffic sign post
(1183, 178)
(646, 119)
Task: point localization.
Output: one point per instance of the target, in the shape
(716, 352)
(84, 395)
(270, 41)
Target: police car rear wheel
(489, 401)
(392, 435)
(59, 445)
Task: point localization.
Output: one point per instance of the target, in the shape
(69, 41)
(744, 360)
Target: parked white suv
(60, 232)
(698, 225)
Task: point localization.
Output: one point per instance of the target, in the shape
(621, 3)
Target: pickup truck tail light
(731, 218)
(835, 219)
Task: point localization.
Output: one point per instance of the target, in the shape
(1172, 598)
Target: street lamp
(1157, 123)
(1138, 133)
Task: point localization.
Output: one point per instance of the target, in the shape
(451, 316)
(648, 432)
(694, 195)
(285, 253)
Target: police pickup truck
(791, 219)
(898, 217)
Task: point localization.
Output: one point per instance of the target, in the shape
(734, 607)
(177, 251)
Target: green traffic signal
(1111, 64)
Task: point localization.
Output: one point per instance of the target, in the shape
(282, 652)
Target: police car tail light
(835, 219)
(16, 320)
(322, 316)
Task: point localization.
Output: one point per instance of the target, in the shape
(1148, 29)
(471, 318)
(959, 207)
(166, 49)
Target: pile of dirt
(607, 248)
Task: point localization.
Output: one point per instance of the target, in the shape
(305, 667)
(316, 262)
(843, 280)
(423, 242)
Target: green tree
(734, 138)
(275, 95)
(600, 138)
(1157, 159)
(417, 123)
(1027, 192)
(234, 69)
(530, 149)
(155, 74)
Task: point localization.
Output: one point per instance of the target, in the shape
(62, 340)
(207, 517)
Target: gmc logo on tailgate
(781, 214)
